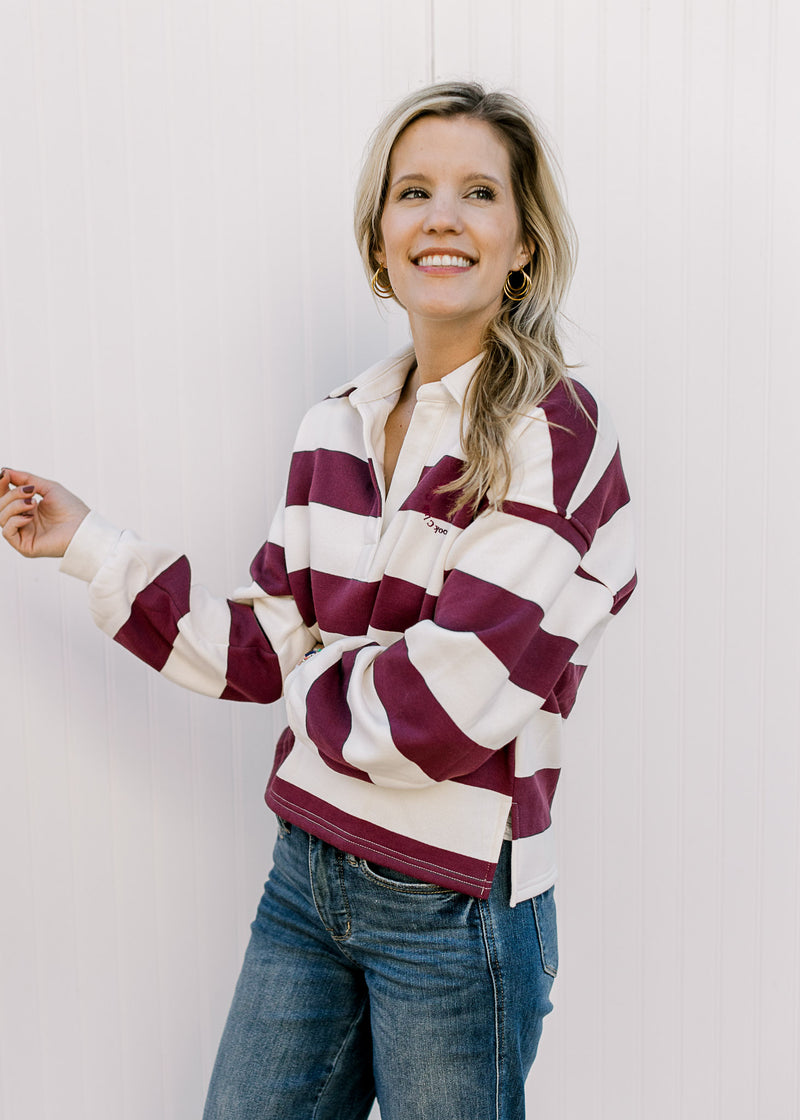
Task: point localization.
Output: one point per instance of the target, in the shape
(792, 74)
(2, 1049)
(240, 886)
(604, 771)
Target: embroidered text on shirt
(432, 524)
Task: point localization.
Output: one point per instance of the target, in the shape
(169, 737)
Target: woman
(454, 539)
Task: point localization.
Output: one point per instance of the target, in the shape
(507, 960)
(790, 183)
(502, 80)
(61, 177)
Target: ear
(525, 255)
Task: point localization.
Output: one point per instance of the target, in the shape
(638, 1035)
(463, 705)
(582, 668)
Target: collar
(388, 376)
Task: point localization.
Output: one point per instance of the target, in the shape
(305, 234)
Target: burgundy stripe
(333, 478)
(300, 587)
(253, 672)
(269, 570)
(285, 744)
(343, 768)
(572, 437)
(342, 606)
(496, 774)
(609, 495)
(328, 717)
(426, 499)
(622, 596)
(572, 533)
(428, 609)
(562, 698)
(420, 727)
(152, 626)
(503, 621)
(588, 576)
(369, 841)
(533, 797)
(400, 604)
(509, 626)
(350, 606)
(542, 663)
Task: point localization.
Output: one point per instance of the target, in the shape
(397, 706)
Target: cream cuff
(93, 542)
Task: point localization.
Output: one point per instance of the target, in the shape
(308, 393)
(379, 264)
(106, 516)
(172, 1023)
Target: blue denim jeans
(361, 981)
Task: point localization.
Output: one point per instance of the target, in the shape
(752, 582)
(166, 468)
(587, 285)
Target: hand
(38, 517)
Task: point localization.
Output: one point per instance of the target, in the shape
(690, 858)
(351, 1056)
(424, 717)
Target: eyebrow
(420, 178)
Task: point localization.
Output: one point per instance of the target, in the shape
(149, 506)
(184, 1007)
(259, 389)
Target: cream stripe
(583, 654)
(414, 551)
(539, 745)
(134, 562)
(370, 746)
(606, 560)
(519, 556)
(576, 611)
(603, 451)
(470, 683)
(533, 865)
(458, 818)
(197, 663)
(339, 538)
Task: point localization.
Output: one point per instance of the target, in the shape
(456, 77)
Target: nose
(442, 214)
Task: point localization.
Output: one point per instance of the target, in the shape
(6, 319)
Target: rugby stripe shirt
(453, 645)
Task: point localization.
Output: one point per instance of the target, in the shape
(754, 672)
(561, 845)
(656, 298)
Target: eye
(485, 194)
(412, 192)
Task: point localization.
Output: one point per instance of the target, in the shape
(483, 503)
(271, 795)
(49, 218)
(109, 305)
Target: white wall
(177, 284)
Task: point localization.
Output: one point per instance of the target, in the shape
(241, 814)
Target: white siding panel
(178, 282)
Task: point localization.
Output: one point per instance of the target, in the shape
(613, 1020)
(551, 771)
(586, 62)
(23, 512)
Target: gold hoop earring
(381, 290)
(520, 292)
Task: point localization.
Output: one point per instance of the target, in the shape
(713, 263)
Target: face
(450, 229)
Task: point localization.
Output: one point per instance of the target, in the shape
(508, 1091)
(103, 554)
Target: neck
(440, 349)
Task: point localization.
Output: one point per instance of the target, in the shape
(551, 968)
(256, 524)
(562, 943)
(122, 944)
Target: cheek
(391, 235)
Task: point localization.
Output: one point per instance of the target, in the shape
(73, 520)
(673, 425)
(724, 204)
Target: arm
(142, 595)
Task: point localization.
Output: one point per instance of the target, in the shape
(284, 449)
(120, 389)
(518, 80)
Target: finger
(17, 504)
(23, 494)
(25, 478)
(14, 528)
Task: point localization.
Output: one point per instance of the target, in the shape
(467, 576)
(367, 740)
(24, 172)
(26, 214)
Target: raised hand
(37, 517)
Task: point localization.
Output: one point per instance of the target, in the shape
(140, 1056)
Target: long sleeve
(142, 595)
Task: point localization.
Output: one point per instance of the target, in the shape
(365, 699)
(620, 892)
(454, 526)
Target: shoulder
(564, 450)
(571, 409)
(337, 415)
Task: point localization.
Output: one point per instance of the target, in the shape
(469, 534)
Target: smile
(443, 260)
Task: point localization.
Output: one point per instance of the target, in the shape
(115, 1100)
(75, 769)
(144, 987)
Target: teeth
(444, 260)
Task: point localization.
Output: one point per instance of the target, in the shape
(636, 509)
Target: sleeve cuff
(94, 540)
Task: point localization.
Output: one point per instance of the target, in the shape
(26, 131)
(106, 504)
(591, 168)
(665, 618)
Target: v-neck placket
(374, 402)
(430, 412)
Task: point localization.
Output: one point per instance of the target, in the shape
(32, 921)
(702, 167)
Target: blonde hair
(522, 359)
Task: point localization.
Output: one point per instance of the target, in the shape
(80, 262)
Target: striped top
(453, 645)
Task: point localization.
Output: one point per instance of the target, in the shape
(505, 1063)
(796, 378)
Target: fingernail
(3, 473)
(27, 513)
(27, 489)
(28, 501)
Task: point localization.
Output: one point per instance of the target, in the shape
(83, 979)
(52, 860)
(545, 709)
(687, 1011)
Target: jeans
(360, 981)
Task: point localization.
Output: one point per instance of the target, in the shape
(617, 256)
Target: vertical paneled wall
(177, 284)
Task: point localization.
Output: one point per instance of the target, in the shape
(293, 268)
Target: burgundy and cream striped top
(453, 645)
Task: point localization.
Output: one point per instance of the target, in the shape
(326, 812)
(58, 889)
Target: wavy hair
(522, 358)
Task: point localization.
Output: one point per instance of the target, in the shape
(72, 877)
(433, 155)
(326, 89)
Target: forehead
(453, 144)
